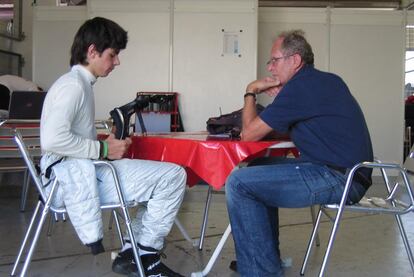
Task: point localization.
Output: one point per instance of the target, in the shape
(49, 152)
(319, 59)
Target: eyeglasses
(273, 61)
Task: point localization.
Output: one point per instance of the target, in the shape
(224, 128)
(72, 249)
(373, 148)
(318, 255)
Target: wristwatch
(247, 94)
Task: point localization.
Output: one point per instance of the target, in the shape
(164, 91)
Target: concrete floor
(367, 245)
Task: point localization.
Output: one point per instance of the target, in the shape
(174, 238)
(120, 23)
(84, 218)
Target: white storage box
(154, 122)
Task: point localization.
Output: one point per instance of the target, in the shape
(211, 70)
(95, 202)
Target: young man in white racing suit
(69, 144)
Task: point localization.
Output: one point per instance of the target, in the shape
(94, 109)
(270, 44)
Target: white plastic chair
(398, 201)
(44, 207)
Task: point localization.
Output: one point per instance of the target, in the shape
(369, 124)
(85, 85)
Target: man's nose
(269, 67)
(116, 61)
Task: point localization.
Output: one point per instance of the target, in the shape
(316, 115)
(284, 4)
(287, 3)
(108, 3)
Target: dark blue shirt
(324, 120)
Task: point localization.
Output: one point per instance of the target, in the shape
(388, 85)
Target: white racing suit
(67, 129)
(82, 189)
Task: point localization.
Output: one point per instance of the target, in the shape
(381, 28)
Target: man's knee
(182, 177)
(178, 177)
(232, 184)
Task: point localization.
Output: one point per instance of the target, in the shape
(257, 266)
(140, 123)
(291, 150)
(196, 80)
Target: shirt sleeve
(57, 124)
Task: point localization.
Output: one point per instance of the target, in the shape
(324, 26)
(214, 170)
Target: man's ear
(297, 60)
(91, 51)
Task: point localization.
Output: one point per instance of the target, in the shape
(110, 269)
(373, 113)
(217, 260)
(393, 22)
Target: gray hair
(294, 42)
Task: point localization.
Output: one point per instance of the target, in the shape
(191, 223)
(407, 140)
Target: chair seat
(375, 206)
(62, 209)
(378, 202)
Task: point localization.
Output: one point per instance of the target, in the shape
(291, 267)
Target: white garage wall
(366, 48)
(206, 79)
(367, 51)
(176, 49)
(53, 32)
(145, 61)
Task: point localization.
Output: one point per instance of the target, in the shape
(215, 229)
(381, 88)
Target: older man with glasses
(327, 126)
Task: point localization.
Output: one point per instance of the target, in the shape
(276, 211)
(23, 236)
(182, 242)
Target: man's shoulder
(317, 77)
(310, 70)
(68, 79)
(311, 79)
(66, 86)
(327, 75)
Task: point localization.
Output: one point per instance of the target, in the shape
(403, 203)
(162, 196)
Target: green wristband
(105, 149)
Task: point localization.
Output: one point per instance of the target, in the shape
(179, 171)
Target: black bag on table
(230, 123)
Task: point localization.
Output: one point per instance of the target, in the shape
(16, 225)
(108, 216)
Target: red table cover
(210, 159)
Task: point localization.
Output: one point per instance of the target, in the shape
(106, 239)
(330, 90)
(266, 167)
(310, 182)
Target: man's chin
(105, 74)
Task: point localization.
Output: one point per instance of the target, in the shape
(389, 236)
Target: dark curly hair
(101, 32)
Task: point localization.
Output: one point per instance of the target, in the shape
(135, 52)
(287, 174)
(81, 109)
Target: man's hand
(117, 148)
(253, 127)
(268, 85)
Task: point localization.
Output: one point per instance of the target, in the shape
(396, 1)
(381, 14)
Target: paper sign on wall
(231, 43)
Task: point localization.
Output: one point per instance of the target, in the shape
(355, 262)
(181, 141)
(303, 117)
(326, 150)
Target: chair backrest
(25, 154)
(401, 193)
(398, 198)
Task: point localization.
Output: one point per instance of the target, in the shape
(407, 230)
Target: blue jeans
(254, 195)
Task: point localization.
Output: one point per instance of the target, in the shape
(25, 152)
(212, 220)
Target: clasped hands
(268, 85)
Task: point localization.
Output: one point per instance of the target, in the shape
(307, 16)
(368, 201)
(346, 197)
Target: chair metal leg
(44, 213)
(114, 215)
(312, 210)
(184, 232)
(405, 240)
(398, 217)
(205, 218)
(26, 237)
(334, 231)
(215, 254)
(133, 242)
(311, 241)
(111, 220)
(51, 221)
(35, 240)
(124, 208)
(25, 190)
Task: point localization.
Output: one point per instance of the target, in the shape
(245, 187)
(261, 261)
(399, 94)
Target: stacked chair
(10, 156)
